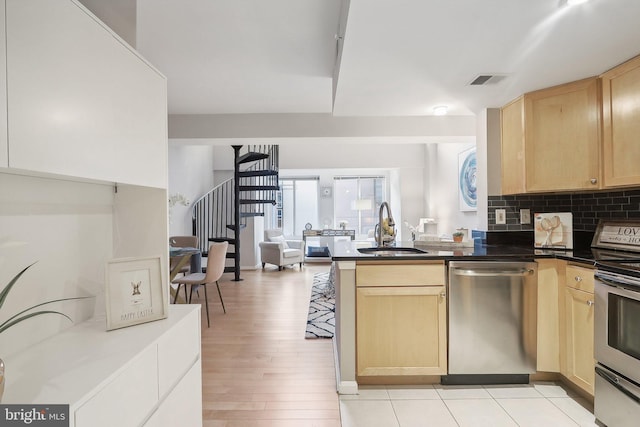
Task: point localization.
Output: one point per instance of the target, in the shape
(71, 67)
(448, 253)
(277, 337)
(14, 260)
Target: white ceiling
(399, 58)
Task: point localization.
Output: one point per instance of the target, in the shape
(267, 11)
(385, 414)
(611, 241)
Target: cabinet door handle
(443, 294)
(578, 279)
(594, 180)
(590, 303)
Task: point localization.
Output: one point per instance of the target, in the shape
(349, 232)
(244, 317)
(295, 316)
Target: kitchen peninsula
(391, 312)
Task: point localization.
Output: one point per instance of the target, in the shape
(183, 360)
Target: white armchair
(278, 251)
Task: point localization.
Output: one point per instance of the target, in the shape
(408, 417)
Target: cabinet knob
(443, 294)
(578, 279)
(594, 180)
(590, 303)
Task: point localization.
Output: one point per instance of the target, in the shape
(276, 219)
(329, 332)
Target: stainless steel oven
(617, 344)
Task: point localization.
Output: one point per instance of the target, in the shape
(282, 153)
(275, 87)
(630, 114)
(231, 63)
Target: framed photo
(134, 292)
(467, 190)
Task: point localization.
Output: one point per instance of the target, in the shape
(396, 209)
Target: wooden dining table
(179, 258)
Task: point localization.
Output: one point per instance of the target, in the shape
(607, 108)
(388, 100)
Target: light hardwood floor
(258, 369)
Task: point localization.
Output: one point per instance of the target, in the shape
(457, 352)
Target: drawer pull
(590, 303)
(578, 279)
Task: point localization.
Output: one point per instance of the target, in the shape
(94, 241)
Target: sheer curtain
(357, 200)
(297, 205)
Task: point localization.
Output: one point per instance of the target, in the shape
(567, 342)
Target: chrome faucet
(390, 223)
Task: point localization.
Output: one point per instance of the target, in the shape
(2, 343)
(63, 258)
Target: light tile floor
(541, 404)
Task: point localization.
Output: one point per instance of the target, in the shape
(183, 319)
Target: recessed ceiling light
(440, 110)
(575, 2)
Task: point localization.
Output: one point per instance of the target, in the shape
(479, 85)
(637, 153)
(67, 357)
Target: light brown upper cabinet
(551, 139)
(512, 117)
(621, 124)
(562, 137)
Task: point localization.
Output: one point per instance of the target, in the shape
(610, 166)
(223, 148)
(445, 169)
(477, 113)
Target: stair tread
(251, 157)
(250, 214)
(256, 201)
(265, 172)
(233, 227)
(259, 187)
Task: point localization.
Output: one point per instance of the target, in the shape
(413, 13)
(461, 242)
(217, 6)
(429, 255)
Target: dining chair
(215, 267)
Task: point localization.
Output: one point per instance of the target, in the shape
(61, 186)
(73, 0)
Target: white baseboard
(343, 387)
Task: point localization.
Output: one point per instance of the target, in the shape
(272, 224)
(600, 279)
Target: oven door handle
(609, 282)
(615, 382)
(619, 288)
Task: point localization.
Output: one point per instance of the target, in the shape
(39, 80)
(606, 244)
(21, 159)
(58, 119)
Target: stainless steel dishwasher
(492, 309)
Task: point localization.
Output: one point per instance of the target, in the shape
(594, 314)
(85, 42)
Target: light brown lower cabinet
(401, 330)
(579, 362)
(548, 318)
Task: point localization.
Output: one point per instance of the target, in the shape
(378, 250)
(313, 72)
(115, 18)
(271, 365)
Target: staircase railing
(212, 213)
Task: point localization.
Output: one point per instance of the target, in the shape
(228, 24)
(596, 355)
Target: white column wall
(444, 190)
(190, 174)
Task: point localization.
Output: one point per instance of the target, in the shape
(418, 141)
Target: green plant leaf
(21, 316)
(6, 325)
(2, 326)
(5, 291)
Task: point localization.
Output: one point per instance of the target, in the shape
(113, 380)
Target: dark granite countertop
(348, 251)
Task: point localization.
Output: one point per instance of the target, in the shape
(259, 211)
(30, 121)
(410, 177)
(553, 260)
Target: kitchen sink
(391, 251)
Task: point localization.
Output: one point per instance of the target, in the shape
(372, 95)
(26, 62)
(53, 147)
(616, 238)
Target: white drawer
(177, 350)
(128, 399)
(183, 406)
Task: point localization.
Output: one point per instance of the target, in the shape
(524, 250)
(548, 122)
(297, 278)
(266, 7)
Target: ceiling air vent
(487, 79)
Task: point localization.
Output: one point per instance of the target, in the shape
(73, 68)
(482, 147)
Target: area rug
(321, 319)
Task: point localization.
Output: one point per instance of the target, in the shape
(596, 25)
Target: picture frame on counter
(134, 293)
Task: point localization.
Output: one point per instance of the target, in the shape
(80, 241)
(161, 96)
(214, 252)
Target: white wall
(489, 161)
(66, 228)
(424, 175)
(402, 164)
(443, 189)
(190, 174)
(119, 15)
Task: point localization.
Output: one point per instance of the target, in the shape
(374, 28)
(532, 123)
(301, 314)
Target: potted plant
(458, 236)
(23, 315)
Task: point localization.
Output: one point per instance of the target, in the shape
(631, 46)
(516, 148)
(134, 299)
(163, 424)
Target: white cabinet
(176, 410)
(124, 377)
(81, 102)
(126, 398)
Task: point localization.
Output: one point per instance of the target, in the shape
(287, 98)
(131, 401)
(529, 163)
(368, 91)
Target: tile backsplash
(587, 208)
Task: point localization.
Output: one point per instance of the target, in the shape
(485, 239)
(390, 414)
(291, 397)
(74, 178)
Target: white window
(356, 202)
(297, 205)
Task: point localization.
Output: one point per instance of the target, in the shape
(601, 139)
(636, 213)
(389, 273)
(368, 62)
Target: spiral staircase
(222, 213)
